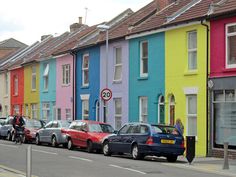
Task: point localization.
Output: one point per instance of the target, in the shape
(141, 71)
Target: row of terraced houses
(170, 59)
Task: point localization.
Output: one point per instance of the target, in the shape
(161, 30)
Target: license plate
(163, 141)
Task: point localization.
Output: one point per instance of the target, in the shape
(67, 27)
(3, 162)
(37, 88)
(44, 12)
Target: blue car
(141, 139)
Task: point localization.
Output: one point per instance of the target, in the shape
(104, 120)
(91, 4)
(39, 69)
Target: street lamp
(105, 28)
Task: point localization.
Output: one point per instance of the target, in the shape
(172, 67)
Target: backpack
(18, 121)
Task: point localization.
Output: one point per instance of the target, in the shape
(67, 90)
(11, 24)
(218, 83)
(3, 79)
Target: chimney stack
(76, 26)
(44, 37)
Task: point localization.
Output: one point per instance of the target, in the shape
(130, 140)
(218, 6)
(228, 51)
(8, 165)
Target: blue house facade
(87, 83)
(48, 89)
(147, 78)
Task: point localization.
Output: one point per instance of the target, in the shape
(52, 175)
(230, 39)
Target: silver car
(6, 128)
(54, 133)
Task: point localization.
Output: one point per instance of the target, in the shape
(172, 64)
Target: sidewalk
(8, 172)
(207, 164)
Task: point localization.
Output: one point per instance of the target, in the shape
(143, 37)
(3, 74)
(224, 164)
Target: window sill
(190, 73)
(117, 81)
(15, 95)
(143, 78)
(5, 96)
(228, 70)
(45, 91)
(65, 85)
(84, 87)
(33, 90)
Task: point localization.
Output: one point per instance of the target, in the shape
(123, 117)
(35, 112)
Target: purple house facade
(118, 80)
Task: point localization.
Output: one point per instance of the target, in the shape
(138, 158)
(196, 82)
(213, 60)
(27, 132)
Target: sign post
(106, 94)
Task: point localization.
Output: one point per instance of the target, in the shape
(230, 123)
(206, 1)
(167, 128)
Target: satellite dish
(210, 84)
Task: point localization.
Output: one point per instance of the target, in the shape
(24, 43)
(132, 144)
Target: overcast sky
(28, 20)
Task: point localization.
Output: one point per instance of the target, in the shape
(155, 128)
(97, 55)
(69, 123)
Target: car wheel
(9, 136)
(89, 146)
(172, 158)
(135, 152)
(105, 149)
(70, 144)
(54, 141)
(37, 140)
(64, 145)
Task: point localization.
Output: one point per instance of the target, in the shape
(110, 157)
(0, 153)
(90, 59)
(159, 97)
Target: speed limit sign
(106, 94)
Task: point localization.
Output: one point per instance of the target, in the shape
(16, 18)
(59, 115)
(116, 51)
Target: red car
(87, 134)
(31, 127)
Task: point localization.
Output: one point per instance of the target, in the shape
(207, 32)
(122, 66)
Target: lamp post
(105, 28)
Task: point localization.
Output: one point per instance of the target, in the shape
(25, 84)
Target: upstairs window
(144, 59)
(231, 46)
(45, 77)
(118, 65)
(15, 85)
(85, 70)
(33, 78)
(192, 50)
(66, 74)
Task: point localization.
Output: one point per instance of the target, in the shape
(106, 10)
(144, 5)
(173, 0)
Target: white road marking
(79, 158)
(12, 146)
(46, 152)
(130, 169)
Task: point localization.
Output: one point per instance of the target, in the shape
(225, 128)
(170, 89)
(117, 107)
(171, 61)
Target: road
(59, 162)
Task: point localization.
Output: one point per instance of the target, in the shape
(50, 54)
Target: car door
(55, 128)
(44, 132)
(83, 135)
(75, 133)
(115, 142)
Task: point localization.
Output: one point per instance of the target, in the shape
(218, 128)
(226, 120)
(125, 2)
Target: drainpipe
(207, 70)
(73, 54)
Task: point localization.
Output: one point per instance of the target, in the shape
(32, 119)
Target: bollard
(226, 160)
(28, 161)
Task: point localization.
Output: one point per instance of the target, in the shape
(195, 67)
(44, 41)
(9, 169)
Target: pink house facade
(64, 87)
(222, 84)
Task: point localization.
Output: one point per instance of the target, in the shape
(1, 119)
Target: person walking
(179, 126)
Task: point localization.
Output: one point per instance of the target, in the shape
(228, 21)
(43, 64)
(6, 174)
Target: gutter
(73, 54)
(207, 99)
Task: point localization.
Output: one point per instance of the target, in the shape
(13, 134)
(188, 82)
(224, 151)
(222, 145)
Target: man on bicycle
(18, 124)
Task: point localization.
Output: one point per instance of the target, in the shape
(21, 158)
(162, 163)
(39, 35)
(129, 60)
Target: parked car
(2, 120)
(31, 127)
(54, 133)
(141, 139)
(5, 130)
(87, 134)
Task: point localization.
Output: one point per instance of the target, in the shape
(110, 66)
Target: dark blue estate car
(141, 139)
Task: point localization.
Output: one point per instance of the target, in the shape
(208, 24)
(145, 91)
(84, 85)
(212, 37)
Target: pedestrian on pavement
(179, 126)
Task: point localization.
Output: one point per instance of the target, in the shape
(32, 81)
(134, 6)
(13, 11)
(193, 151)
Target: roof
(12, 43)
(222, 7)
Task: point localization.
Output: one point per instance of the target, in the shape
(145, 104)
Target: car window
(33, 124)
(107, 128)
(95, 128)
(55, 125)
(124, 129)
(164, 129)
(48, 125)
(76, 126)
(133, 129)
(64, 124)
(144, 129)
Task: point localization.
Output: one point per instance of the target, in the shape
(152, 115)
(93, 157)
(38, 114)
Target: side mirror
(115, 131)
(84, 130)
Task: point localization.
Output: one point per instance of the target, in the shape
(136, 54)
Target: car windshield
(65, 124)
(33, 124)
(164, 129)
(107, 128)
(95, 128)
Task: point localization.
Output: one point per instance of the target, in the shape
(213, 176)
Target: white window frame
(117, 65)
(33, 78)
(84, 69)
(45, 111)
(45, 77)
(34, 110)
(68, 114)
(191, 115)
(26, 110)
(66, 75)
(6, 84)
(117, 115)
(142, 58)
(141, 114)
(192, 50)
(16, 109)
(16, 84)
(160, 103)
(226, 45)
(85, 116)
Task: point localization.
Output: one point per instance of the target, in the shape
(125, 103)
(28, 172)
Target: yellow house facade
(31, 90)
(185, 83)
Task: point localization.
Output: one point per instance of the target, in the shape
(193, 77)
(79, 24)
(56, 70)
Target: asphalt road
(59, 162)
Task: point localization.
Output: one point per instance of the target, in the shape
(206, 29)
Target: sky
(28, 20)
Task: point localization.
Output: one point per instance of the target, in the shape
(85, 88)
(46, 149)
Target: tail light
(149, 140)
(182, 144)
(63, 131)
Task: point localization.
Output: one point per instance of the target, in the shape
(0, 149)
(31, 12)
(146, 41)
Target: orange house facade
(17, 91)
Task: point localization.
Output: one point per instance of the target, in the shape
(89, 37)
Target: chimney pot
(80, 20)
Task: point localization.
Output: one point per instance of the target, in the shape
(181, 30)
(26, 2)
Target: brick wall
(220, 153)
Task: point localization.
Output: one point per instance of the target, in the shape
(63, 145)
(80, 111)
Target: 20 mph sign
(106, 94)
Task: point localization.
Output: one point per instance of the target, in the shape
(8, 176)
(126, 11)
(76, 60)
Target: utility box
(190, 148)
